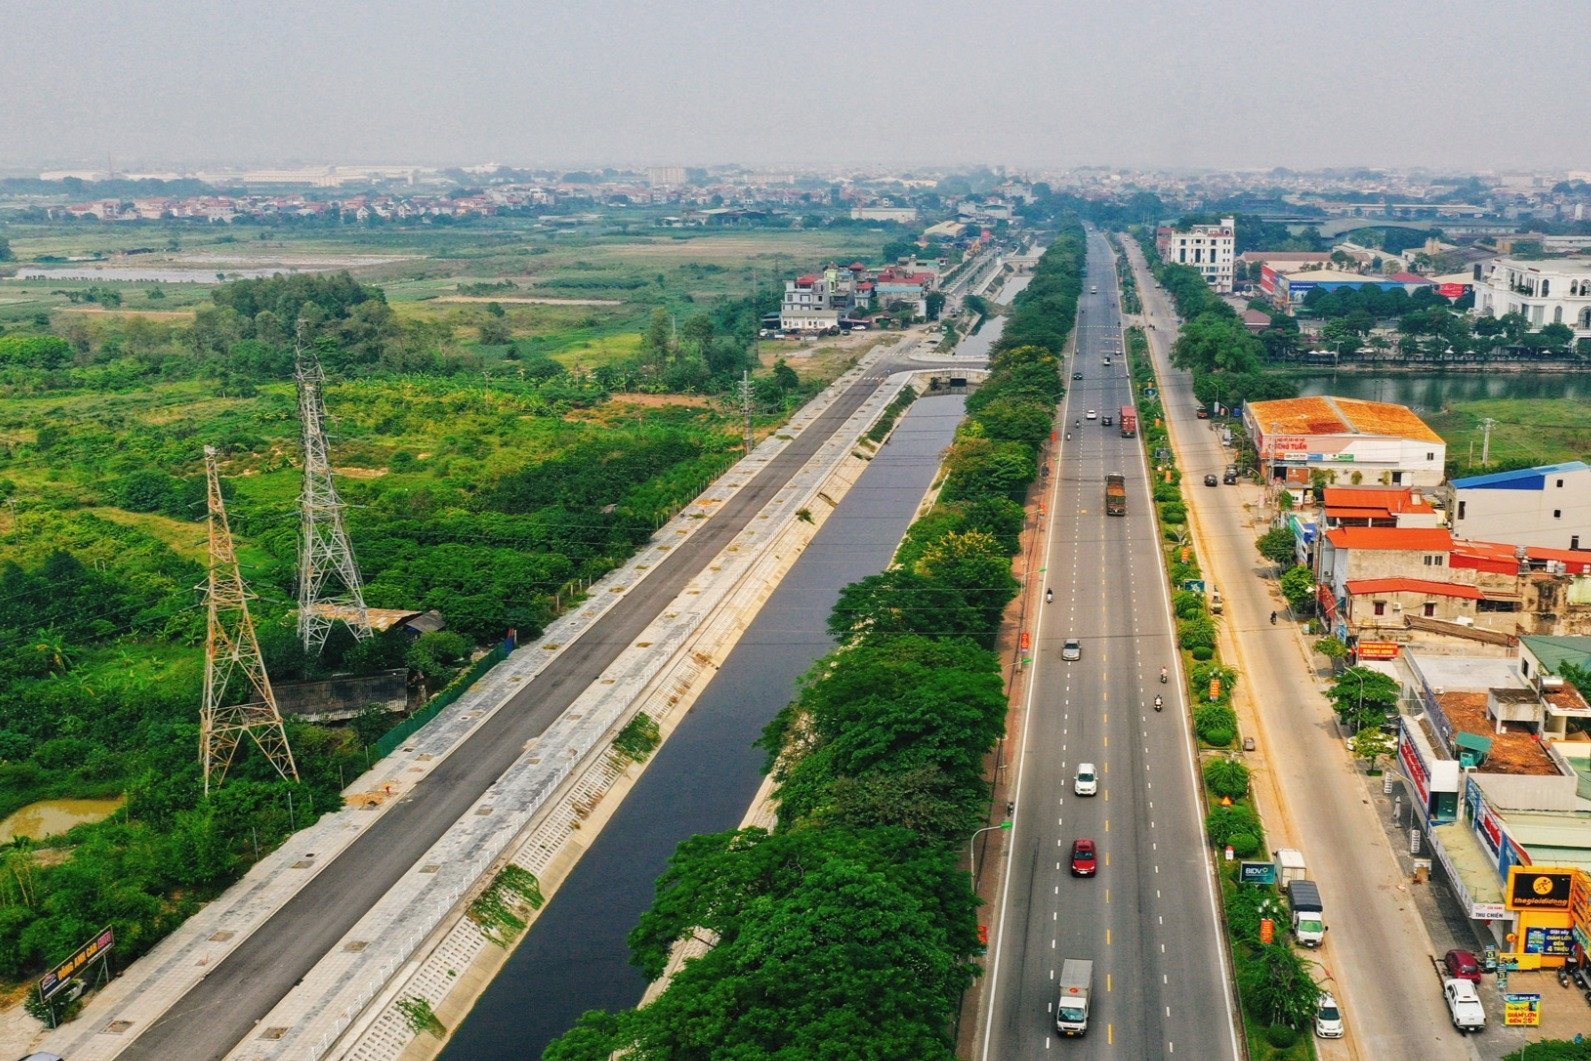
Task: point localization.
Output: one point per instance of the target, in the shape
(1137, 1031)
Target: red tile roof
(1362, 586)
(1399, 539)
(1409, 278)
(1357, 501)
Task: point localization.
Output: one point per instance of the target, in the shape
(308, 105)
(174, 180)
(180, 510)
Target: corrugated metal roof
(1358, 586)
(1519, 478)
(1328, 415)
(1401, 539)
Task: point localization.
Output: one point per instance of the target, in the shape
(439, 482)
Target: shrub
(1224, 823)
(1244, 845)
(1199, 630)
(1226, 777)
(1217, 738)
(1202, 653)
(1171, 512)
(1281, 1036)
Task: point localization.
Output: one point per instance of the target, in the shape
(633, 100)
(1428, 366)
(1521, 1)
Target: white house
(1543, 292)
(1208, 248)
(1546, 506)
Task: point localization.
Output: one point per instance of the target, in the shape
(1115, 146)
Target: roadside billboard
(56, 980)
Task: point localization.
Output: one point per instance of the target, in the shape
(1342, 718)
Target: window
(1381, 607)
(1397, 477)
(1461, 505)
(1435, 560)
(1430, 609)
(1560, 484)
(1557, 513)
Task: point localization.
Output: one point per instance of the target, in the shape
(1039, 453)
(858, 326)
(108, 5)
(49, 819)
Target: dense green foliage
(850, 930)
(1363, 697)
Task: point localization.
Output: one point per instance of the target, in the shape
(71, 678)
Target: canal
(574, 957)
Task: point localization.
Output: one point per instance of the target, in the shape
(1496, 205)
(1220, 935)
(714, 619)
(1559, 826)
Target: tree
(1332, 648)
(1278, 546)
(1298, 586)
(1370, 744)
(1363, 697)
(1277, 986)
(5, 250)
(494, 332)
(1226, 778)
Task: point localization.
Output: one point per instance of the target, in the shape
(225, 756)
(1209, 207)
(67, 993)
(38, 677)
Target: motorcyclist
(1159, 702)
(1162, 675)
(1273, 618)
(1049, 595)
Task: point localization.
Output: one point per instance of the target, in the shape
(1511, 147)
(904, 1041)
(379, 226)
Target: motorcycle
(1049, 596)
(1068, 436)
(1162, 675)
(1273, 618)
(1563, 976)
(1159, 703)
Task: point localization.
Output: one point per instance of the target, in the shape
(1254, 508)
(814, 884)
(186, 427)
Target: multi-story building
(665, 176)
(1543, 292)
(818, 301)
(1546, 506)
(1208, 248)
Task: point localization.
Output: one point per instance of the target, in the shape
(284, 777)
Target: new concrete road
(1376, 945)
(1148, 921)
(218, 1013)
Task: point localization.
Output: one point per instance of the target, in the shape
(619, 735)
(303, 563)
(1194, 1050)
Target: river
(575, 958)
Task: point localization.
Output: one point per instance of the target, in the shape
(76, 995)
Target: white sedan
(1092, 415)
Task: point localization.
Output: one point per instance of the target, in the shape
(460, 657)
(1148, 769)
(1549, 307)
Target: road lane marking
(1107, 937)
(1107, 895)
(1109, 986)
(1110, 1034)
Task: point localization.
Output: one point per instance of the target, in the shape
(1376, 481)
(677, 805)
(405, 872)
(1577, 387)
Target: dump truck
(1309, 916)
(1071, 1006)
(1129, 421)
(1115, 495)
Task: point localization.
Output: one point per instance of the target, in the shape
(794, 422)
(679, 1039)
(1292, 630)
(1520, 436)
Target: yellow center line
(1107, 937)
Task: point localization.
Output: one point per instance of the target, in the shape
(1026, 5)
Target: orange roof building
(1345, 441)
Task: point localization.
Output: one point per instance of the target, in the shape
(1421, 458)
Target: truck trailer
(1129, 421)
(1115, 495)
(1309, 916)
(1071, 1007)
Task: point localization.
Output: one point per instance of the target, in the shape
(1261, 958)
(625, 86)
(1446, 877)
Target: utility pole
(745, 409)
(230, 649)
(1486, 440)
(324, 550)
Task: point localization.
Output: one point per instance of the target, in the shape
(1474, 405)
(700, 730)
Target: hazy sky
(1459, 85)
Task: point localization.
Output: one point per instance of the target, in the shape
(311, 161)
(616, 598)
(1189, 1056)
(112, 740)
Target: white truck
(1464, 1005)
(1071, 1007)
(1289, 866)
(1309, 915)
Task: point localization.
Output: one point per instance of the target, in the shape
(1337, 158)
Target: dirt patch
(529, 300)
(658, 400)
(361, 473)
(153, 314)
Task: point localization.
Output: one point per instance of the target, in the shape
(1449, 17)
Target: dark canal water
(703, 779)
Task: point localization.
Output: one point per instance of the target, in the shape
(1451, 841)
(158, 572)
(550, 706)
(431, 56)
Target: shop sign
(1256, 873)
(1521, 1010)
(1378, 649)
(1554, 942)
(1488, 912)
(1536, 889)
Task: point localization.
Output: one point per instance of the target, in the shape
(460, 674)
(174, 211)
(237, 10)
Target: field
(1526, 432)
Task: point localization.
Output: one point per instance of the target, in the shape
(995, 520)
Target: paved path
(1376, 954)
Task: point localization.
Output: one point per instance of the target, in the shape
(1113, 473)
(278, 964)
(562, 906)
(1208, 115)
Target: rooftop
(1514, 751)
(1327, 415)
(1553, 652)
(1384, 501)
(1400, 539)
(1358, 586)
(1520, 478)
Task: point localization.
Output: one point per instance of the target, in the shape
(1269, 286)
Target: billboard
(1538, 889)
(1553, 942)
(1521, 1010)
(1378, 649)
(56, 980)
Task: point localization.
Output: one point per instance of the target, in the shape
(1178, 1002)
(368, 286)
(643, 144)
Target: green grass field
(1527, 431)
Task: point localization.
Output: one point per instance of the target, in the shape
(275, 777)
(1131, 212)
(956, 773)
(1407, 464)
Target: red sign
(1378, 649)
(1416, 771)
(1453, 291)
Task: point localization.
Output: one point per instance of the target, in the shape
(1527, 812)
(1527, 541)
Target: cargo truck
(1115, 495)
(1309, 916)
(1129, 421)
(1071, 1008)
(1290, 866)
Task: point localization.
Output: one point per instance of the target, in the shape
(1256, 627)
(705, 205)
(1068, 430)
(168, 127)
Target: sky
(1229, 84)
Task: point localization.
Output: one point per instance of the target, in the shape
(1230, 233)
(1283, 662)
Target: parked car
(1202, 413)
(1229, 477)
(1464, 1005)
(1211, 480)
(1328, 1017)
(1072, 650)
(1085, 862)
(1086, 783)
(1462, 965)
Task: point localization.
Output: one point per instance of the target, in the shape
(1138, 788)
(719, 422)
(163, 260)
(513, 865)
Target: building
(1288, 289)
(1364, 443)
(1546, 506)
(665, 176)
(1378, 506)
(904, 284)
(1543, 292)
(1207, 248)
(818, 301)
(904, 215)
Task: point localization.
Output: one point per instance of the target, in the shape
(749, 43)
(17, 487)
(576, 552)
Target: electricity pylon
(230, 649)
(324, 551)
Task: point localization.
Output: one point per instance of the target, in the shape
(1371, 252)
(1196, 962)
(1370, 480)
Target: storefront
(1544, 931)
(1434, 780)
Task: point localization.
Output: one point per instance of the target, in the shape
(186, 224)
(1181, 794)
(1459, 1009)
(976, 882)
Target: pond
(51, 817)
(1433, 391)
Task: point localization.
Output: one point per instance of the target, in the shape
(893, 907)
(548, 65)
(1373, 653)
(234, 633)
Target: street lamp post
(972, 855)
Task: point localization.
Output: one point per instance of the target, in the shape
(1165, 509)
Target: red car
(1462, 965)
(1084, 861)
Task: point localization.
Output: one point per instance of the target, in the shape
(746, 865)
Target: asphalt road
(1375, 955)
(1148, 920)
(221, 1010)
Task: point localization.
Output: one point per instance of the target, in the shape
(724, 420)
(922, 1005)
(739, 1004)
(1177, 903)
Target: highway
(1375, 955)
(212, 1018)
(1148, 920)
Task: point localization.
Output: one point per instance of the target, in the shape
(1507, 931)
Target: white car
(1092, 414)
(1087, 781)
(1464, 1005)
(1072, 650)
(1328, 1017)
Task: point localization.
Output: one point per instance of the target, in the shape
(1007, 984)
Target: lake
(1432, 392)
(51, 817)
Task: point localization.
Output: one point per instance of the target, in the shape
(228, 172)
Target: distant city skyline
(1151, 84)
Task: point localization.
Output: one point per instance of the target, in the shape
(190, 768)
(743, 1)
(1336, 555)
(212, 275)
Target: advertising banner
(1414, 769)
(1521, 1010)
(56, 979)
(1256, 873)
(1379, 649)
(1555, 942)
(1538, 889)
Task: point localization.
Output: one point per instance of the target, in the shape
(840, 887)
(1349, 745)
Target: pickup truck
(1464, 1005)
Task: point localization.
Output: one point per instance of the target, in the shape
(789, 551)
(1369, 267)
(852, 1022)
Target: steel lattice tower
(232, 649)
(324, 551)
